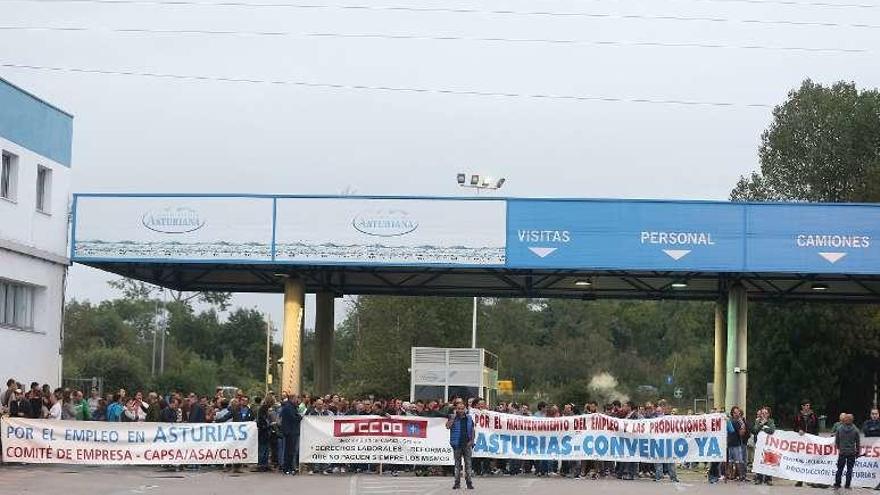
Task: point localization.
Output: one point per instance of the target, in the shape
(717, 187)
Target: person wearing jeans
(290, 425)
(736, 445)
(848, 444)
(661, 410)
(461, 439)
(264, 433)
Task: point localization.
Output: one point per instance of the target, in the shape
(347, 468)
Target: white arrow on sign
(542, 252)
(832, 257)
(677, 254)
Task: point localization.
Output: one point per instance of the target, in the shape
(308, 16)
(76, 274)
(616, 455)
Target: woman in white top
(55, 410)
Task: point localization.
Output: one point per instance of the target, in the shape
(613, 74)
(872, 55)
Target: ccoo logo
(380, 427)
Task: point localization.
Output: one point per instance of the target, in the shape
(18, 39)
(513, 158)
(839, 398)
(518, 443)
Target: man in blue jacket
(461, 438)
(115, 408)
(290, 423)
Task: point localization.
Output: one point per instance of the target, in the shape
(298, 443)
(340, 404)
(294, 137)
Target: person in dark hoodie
(35, 397)
(290, 423)
(806, 422)
(168, 413)
(196, 411)
(19, 406)
(847, 439)
(264, 433)
(871, 428)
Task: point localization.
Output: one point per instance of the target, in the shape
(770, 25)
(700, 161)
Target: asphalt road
(87, 480)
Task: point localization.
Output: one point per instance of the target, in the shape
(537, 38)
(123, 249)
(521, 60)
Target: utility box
(440, 373)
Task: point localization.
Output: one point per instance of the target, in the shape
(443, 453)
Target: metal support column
(719, 378)
(294, 308)
(737, 342)
(324, 329)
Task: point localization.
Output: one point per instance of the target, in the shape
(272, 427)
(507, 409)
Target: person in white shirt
(140, 407)
(94, 399)
(55, 410)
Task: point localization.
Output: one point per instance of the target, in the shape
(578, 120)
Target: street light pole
(268, 350)
(474, 328)
(478, 183)
(155, 334)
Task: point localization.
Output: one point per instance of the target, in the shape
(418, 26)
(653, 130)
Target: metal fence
(84, 384)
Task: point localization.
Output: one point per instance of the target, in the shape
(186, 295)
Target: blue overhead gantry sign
(504, 247)
(625, 235)
(693, 236)
(810, 238)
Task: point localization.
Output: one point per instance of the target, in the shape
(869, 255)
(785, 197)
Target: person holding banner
(55, 411)
(19, 407)
(461, 439)
(806, 422)
(736, 445)
(763, 423)
(667, 467)
(847, 439)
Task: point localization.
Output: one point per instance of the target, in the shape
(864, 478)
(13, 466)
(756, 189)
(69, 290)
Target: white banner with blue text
(666, 439)
(42, 441)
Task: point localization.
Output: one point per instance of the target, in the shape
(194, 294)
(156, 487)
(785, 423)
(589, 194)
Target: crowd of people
(278, 421)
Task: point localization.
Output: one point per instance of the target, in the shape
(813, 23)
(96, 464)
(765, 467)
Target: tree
(552, 349)
(135, 289)
(116, 366)
(823, 145)
(114, 340)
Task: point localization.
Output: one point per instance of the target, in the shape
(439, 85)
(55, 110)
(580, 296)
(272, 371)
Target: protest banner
(42, 441)
(700, 438)
(813, 459)
(374, 439)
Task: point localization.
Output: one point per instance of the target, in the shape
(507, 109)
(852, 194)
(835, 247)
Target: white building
(443, 373)
(35, 141)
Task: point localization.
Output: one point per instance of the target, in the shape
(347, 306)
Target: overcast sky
(142, 134)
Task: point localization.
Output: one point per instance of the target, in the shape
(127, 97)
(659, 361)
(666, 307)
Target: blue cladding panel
(34, 124)
(813, 238)
(632, 235)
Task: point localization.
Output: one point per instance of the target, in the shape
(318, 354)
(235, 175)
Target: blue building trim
(35, 124)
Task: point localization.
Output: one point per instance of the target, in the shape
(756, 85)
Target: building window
(44, 189)
(8, 176)
(16, 305)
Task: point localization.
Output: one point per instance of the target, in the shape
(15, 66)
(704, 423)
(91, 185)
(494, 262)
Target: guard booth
(441, 373)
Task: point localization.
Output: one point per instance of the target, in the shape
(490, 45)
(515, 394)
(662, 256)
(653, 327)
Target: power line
(793, 3)
(789, 3)
(601, 43)
(390, 89)
(454, 10)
